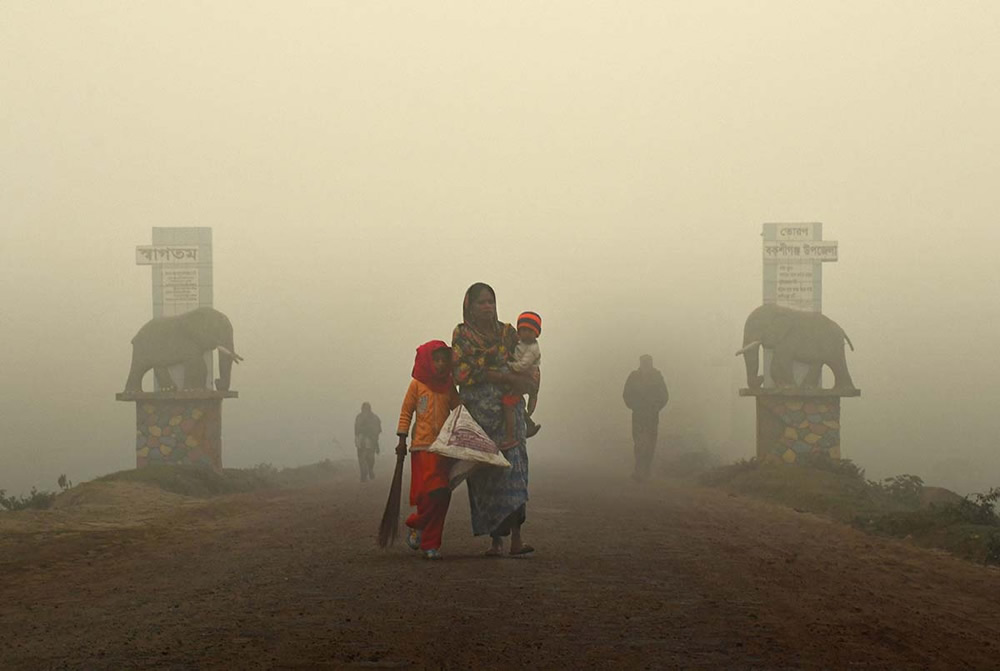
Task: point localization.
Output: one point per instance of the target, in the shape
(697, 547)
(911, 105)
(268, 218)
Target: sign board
(148, 255)
(785, 232)
(800, 251)
(181, 264)
(180, 286)
(793, 255)
(796, 286)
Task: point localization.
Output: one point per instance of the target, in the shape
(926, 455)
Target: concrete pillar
(796, 423)
(182, 427)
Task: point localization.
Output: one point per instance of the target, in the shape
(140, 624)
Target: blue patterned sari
(497, 496)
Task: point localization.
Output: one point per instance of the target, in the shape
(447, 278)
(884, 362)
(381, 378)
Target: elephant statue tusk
(749, 347)
(232, 355)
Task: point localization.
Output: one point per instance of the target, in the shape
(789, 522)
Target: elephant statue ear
(780, 327)
(195, 325)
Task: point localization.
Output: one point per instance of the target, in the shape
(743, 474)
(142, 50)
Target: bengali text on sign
(147, 255)
(795, 231)
(180, 286)
(796, 285)
(801, 251)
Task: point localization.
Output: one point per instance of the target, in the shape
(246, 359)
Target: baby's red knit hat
(530, 320)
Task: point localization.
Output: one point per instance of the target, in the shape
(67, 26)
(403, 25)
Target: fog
(606, 165)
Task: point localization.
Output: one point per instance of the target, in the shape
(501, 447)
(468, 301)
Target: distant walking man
(367, 427)
(645, 395)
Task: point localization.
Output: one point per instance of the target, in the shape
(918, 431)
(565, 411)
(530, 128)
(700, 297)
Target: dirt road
(655, 576)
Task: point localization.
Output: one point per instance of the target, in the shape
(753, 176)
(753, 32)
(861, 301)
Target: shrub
(723, 475)
(822, 462)
(979, 508)
(993, 549)
(34, 500)
(906, 489)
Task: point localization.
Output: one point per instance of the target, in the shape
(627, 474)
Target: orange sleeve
(409, 407)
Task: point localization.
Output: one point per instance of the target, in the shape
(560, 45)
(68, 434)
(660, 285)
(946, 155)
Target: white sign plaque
(786, 232)
(800, 251)
(180, 286)
(796, 286)
(148, 255)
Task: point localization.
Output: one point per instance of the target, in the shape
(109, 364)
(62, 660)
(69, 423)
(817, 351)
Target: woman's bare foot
(517, 545)
(496, 548)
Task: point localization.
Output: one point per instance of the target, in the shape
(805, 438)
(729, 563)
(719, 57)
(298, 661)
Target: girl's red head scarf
(423, 367)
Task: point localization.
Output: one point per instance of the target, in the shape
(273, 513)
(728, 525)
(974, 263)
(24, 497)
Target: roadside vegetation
(901, 506)
(33, 500)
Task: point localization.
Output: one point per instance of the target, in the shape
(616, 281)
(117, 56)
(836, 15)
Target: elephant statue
(183, 339)
(794, 335)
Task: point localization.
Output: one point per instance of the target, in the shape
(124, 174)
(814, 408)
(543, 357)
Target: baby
(526, 360)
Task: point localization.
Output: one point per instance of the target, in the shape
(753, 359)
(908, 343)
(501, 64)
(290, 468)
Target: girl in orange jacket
(432, 397)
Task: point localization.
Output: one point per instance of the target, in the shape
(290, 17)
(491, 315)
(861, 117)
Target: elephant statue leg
(195, 373)
(163, 378)
(813, 375)
(135, 375)
(781, 368)
(841, 378)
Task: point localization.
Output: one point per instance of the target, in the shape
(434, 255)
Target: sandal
(433, 553)
(525, 550)
(494, 552)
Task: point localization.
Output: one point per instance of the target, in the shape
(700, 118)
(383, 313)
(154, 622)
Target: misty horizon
(362, 165)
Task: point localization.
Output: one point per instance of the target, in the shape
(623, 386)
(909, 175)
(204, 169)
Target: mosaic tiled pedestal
(182, 427)
(796, 422)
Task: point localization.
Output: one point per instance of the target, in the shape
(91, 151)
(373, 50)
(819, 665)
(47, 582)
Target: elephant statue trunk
(227, 357)
(751, 353)
(794, 335)
(183, 339)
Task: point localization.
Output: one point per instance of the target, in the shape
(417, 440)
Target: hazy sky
(608, 165)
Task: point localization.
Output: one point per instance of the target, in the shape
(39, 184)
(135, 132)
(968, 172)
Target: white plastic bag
(462, 438)
(460, 472)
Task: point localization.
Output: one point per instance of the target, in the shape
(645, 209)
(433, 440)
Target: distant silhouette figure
(367, 427)
(645, 395)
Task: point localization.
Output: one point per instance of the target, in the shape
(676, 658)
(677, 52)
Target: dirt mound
(192, 480)
(205, 482)
(134, 498)
(99, 494)
(900, 506)
(840, 490)
(97, 505)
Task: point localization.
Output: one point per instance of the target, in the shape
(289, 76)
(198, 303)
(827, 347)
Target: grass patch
(900, 506)
(838, 490)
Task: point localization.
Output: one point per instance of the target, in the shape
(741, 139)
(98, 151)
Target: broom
(389, 525)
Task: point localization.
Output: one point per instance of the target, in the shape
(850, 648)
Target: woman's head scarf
(470, 295)
(423, 367)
